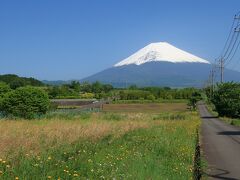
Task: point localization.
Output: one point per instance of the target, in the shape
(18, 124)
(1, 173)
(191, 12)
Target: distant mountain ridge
(55, 83)
(160, 74)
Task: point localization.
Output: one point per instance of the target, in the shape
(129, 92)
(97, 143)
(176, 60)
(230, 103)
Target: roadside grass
(104, 145)
(232, 121)
(211, 108)
(146, 108)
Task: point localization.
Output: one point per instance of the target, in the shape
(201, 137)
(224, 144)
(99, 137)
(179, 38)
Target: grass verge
(234, 122)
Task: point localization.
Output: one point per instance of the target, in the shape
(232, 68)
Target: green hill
(15, 81)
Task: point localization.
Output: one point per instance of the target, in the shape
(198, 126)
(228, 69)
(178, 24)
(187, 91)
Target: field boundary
(197, 171)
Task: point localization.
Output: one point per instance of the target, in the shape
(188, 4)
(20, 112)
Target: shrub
(87, 96)
(25, 102)
(151, 97)
(226, 99)
(4, 88)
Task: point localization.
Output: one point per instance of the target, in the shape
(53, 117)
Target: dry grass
(31, 136)
(152, 108)
(77, 146)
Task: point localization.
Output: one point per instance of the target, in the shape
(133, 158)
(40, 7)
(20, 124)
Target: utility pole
(212, 78)
(222, 69)
(221, 61)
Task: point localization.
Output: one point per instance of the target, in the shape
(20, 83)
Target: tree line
(152, 93)
(98, 90)
(83, 90)
(29, 98)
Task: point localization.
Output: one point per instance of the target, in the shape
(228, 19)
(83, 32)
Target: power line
(237, 30)
(228, 52)
(232, 35)
(234, 52)
(230, 48)
(233, 55)
(229, 35)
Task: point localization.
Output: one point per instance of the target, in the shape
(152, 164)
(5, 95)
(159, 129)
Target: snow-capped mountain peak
(161, 51)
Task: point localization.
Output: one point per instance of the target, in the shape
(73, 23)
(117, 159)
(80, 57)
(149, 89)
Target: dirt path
(221, 147)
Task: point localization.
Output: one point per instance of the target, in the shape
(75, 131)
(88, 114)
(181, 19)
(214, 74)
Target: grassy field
(150, 101)
(150, 107)
(99, 145)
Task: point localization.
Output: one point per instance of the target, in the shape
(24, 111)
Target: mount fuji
(160, 64)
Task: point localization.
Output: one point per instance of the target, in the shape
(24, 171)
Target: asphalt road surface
(221, 146)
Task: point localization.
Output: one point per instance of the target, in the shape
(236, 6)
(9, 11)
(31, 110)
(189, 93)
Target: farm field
(150, 101)
(150, 107)
(100, 145)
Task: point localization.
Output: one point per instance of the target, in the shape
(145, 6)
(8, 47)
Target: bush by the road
(25, 102)
(226, 99)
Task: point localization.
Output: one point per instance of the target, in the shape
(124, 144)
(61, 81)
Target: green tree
(196, 96)
(97, 87)
(151, 97)
(133, 87)
(75, 85)
(4, 88)
(25, 102)
(53, 92)
(16, 83)
(226, 99)
(85, 87)
(107, 88)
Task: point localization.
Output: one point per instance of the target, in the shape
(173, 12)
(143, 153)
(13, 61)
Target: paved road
(221, 147)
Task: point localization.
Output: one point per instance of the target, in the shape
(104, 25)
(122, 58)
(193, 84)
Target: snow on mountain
(161, 51)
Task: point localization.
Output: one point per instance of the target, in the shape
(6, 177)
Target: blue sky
(72, 39)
